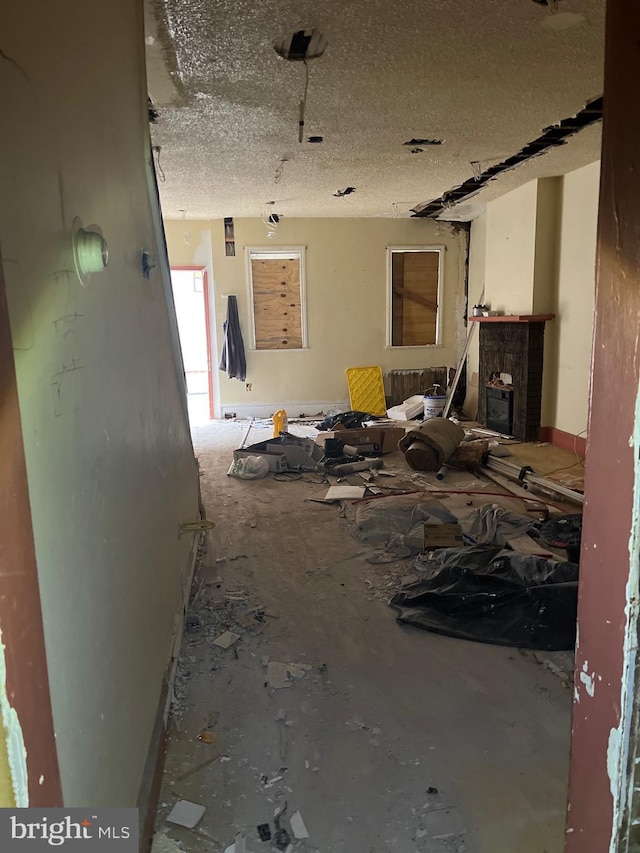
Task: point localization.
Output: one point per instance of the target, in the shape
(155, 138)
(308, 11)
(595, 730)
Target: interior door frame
(207, 323)
(26, 719)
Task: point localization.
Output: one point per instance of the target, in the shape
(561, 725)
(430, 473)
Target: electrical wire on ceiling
(302, 46)
(160, 171)
(303, 102)
(396, 204)
(270, 220)
(186, 234)
(278, 175)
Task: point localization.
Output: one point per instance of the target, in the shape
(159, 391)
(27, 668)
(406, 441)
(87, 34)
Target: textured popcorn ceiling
(486, 76)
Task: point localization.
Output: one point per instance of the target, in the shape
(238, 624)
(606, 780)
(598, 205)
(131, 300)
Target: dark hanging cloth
(233, 360)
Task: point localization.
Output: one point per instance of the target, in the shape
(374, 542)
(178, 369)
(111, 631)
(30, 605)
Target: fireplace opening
(499, 403)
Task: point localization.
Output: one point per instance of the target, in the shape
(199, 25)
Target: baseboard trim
(149, 793)
(293, 408)
(564, 440)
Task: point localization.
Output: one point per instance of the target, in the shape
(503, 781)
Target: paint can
(434, 402)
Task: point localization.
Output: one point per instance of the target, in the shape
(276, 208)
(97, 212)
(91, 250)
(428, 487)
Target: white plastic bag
(249, 468)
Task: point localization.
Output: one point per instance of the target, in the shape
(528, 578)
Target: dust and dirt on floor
(306, 718)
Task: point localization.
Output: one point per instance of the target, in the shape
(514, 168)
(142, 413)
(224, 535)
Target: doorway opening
(191, 298)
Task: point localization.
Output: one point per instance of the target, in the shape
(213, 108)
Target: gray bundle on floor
(430, 445)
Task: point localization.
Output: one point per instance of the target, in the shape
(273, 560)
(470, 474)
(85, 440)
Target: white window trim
(390, 251)
(284, 253)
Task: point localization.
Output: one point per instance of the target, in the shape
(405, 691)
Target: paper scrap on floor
(226, 640)
(281, 675)
(298, 826)
(344, 493)
(186, 814)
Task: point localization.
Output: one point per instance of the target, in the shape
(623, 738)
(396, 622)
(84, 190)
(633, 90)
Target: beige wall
(575, 297)
(477, 285)
(110, 465)
(534, 251)
(510, 250)
(346, 298)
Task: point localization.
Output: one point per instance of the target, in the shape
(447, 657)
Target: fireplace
(499, 404)
(513, 345)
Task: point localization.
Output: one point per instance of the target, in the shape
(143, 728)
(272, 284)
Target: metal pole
(525, 476)
(458, 373)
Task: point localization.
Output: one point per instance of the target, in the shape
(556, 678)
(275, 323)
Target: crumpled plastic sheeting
(490, 524)
(493, 596)
(396, 523)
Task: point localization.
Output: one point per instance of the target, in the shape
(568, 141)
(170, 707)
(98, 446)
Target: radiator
(400, 384)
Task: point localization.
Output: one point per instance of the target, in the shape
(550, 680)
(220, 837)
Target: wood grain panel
(277, 307)
(397, 300)
(419, 296)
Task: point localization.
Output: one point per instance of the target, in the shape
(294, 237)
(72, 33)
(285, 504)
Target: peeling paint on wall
(589, 680)
(16, 750)
(618, 748)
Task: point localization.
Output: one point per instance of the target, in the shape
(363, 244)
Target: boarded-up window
(414, 282)
(277, 299)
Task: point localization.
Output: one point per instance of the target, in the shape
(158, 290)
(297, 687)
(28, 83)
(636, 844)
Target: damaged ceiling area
(401, 103)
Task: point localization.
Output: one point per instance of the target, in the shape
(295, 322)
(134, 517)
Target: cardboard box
(390, 438)
(442, 536)
(383, 440)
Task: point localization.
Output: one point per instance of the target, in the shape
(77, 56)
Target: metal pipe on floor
(246, 435)
(526, 476)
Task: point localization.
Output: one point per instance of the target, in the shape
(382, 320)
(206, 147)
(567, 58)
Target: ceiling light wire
(303, 102)
(269, 222)
(280, 169)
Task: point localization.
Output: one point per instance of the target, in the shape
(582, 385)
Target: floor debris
(186, 814)
(328, 597)
(239, 845)
(226, 640)
(163, 844)
(207, 737)
(297, 826)
(281, 675)
(200, 766)
(264, 832)
(343, 493)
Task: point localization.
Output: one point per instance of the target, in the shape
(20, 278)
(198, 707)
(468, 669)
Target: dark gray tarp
(233, 360)
(493, 596)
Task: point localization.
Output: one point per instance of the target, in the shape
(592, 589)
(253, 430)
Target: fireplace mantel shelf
(516, 318)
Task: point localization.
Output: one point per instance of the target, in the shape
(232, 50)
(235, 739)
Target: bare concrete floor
(394, 740)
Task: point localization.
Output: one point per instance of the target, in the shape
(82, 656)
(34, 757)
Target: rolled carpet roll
(430, 445)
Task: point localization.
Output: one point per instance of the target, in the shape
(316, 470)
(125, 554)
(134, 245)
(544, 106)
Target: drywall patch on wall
(16, 750)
